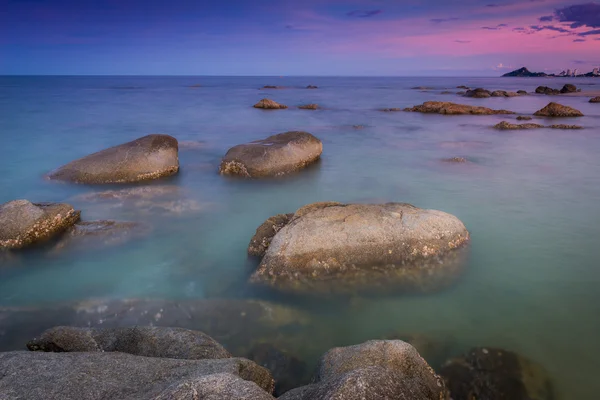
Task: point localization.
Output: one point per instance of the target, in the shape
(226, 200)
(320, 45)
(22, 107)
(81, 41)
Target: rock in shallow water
(276, 155)
(595, 99)
(508, 126)
(558, 110)
(146, 158)
(23, 223)
(265, 232)
(346, 248)
(268, 104)
(447, 108)
(289, 372)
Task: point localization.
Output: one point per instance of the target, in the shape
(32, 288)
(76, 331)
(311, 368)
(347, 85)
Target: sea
(530, 199)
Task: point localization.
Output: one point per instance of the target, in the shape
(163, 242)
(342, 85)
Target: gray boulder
(222, 386)
(145, 341)
(97, 375)
(23, 223)
(344, 248)
(146, 158)
(276, 155)
(377, 369)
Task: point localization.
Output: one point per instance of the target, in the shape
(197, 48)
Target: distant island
(525, 73)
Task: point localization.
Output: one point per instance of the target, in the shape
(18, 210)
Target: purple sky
(297, 37)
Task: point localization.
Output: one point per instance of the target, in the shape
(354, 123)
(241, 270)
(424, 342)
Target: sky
(297, 37)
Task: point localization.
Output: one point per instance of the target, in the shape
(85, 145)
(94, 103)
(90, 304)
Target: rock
(422, 88)
(309, 107)
(147, 341)
(458, 160)
(595, 99)
(265, 232)
(276, 155)
(495, 374)
(546, 90)
(511, 94)
(312, 87)
(289, 372)
(447, 108)
(563, 126)
(433, 350)
(504, 125)
(524, 118)
(97, 375)
(522, 92)
(222, 386)
(568, 88)
(130, 194)
(273, 87)
(499, 93)
(478, 93)
(23, 223)
(390, 109)
(447, 92)
(558, 110)
(377, 369)
(98, 234)
(347, 248)
(149, 157)
(268, 104)
(463, 87)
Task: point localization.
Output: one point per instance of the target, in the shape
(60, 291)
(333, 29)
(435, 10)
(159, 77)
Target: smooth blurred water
(531, 200)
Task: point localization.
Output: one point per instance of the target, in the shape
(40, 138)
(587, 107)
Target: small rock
(459, 160)
(524, 118)
(504, 125)
(463, 87)
(312, 87)
(568, 88)
(478, 93)
(447, 92)
(522, 92)
(289, 372)
(272, 87)
(499, 93)
(563, 126)
(268, 104)
(390, 109)
(309, 107)
(546, 90)
(595, 99)
(558, 110)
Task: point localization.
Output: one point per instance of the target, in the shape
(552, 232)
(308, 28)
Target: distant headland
(525, 73)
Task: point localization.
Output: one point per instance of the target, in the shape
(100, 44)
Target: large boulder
(97, 375)
(145, 341)
(595, 99)
(568, 88)
(478, 93)
(495, 374)
(265, 232)
(377, 369)
(343, 248)
(23, 223)
(222, 386)
(146, 158)
(268, 104)
(443, 107)
(558, 110)
(276, 155)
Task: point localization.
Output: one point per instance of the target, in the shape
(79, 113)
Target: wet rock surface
(146, 158)
(558, 110)
(23, 223)
(345, 248)
(447, 108)
(274, 156)
(264, 234)
(268, 104)
(568, 88)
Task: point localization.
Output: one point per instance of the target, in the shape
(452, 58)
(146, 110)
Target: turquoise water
(531, 200)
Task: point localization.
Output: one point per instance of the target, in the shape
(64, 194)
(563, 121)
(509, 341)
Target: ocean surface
(531, 200)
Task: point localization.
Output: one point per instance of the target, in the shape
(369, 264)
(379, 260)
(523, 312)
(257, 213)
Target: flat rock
(564, 126)
(23, 223)
(309, 107)
(558, 110)
(524, 118)
(504, 125)
(496, 374)
(268, 104)
(265, 232)
(100, 234)
(98, 375)
(146, 158)
(344, 248)
(276, 155)
(273, 87)
(148, 341)
(447, 108)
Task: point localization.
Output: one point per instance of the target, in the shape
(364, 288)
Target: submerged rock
(268, 104)
(265, 232)
(390, 109)
(504, 125)
(478, 93)
(458, 160)
(347, 248)
(524, 118)
(97, 234)
(23, 223)
(289, 372)
(558, 110)
(97, 375)
(495, 374)
(546, 90)
(312, 87)
(309, 107)
(191, 145)
(568, 88)
(595, 99)
(149, 157)
(276, 155)
(147, 341)
(463, 87)
(377, 369)
(522, 92)
(563, 126)
(273, 87)
(442, 107)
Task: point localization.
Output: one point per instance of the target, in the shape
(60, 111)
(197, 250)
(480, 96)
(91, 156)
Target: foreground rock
(97, 375)
(144, 341)
(289, 372)
(378, 369)
(508, 126)
(442, 107)
(345, 248)
(99, 234)
(495, 374)
(265, 232)
(558, 110)
(149, 157)
(268, 104)
(276, 155)
(23, 223)
(595, 99)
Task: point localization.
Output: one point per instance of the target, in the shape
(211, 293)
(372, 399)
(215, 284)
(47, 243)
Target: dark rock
(312, 87)
(97, 375)
(546, 90)
(495, 374)
(461, 93)
(447, 92)
(276, 155)
(478, 93)
(358, 126)
(149, 157)
(339, 248)
(309, 107)
(273, 87)
(558, 110)
(264, 233)
(511, 94)
(390, 109)
(563, 126)
(268, 104)
(504, 125)
(441, 107)
(463, 87)
(524, 118)
(595, 99)
(23, 223)
(289, 372)
(522, 92)
(568, 88)
(147, 341)
(422, 88)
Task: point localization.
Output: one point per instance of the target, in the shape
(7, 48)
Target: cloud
(502, 25)
(580, 15)
(538, 28)
(518, 29)
(594, 32)
(440, 20)
(579, 40)
(580, 61)
(363, 13)
(494, 28)
(546, 18)
(462, 41)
